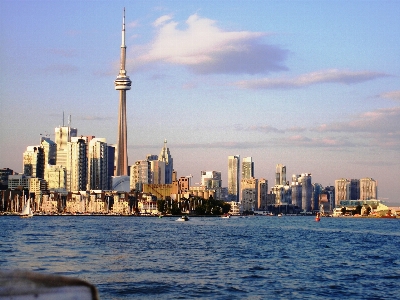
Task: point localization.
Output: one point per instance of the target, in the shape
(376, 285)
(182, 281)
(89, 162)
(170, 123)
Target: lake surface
(211, 258)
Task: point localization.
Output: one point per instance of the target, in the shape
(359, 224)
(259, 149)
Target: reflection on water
(255, 257)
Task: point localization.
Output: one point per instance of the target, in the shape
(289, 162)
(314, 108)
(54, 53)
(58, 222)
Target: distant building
(19, 180)
(280, 175)
(4, 173)
(50, 151)
(247, 168)
(56, 178)
(262, 194)
(76, 164)
(342, 190)
(166, 157)
(354, 189)
(249, 194)
(33, 161)
(233, 177)
(63, 136)
(140, 174)
(317, 190)
(98, 178)
(368, 189)
(211, 179)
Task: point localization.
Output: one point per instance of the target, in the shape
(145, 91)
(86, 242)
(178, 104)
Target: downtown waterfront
(211, 258)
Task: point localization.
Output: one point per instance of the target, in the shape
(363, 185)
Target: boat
(27, 211)
(226, 216)
(183, 219)
(280, 215)
(318, 217)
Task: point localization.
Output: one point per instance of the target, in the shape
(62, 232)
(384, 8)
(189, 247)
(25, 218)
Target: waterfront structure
(233, 177)
(249, 193)
(33, 161)
(247, 168)
(98, 164)
(280, 174)
(122, 84)
(166, 157)
(342, 190)
(77, 164)
(368, 189)
(262, 194)
(63, 135)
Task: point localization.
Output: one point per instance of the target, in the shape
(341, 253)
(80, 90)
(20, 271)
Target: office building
(247, 168)
(98, 164)
(63, 135)
(166, 157)
(77, 164)
(280, 175)
(249, 194)
(233, 177)
(33, 161)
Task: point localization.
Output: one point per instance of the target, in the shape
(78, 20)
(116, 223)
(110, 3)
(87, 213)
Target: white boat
(280, 215)
(226, 216)
(27, 211)
(183, 219)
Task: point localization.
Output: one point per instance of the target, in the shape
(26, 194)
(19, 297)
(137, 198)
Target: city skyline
(311, 85)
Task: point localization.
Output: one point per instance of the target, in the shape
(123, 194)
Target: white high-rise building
(233, 177)
(140, 174)
(247, 168)
(211, 179)
(98, 164)
(368, 189)
(280, 175)
(77, 164)
(342, 190)
(306, 191)
(63, 135)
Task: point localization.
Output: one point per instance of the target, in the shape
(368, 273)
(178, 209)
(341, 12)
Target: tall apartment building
(157, 169)
(280, 175)
(342, 190)
(368, 189)
(50, 151)
(233, 177)
(249, 194)
(140, 174)
(302, 192)
(262, 194)
(76, 164)
(247, 168)
(316, 192)
(166, 157)
(33, 161)
(63, 135)
(98, 178)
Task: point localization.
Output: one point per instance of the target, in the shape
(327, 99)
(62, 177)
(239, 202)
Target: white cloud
(325, 76)
(205, 48)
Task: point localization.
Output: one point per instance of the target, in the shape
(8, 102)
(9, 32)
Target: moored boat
(183, 219)
(27, 211)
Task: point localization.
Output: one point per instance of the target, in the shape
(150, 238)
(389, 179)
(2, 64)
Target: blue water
(211, 258)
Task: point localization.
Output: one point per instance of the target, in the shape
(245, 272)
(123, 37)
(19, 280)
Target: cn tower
(122, 84)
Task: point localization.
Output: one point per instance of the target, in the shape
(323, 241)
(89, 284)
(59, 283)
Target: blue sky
(313, 85)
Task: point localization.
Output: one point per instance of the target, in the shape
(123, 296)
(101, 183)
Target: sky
(313, 85)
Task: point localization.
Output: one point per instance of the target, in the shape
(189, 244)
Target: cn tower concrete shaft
(122, 84)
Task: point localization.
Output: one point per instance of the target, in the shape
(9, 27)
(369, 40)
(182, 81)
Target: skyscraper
(98, 164)
(77, 164)
(233, 177)
(166, 157)
(247, 168)
(122, 84)
(63, 136)
(280, 175)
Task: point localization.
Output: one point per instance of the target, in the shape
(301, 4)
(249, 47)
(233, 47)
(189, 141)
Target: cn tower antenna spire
(122, 84)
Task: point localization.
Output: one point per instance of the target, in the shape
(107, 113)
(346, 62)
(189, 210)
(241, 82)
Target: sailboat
(27, 211)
